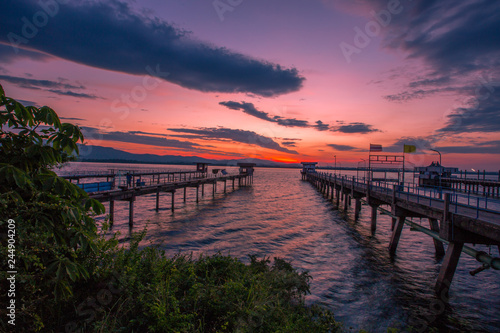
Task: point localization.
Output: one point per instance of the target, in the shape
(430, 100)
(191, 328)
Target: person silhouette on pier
(129, 179)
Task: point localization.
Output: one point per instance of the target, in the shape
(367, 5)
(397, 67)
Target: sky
(282, 80)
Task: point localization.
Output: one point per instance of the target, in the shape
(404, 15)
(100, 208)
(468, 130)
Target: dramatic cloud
(235, 135)
(483, 115)
(488, 147)
(320, 126)
(454, 38)
(132, 137)
(7, 54)
(422, 144)
(250, 109)
(110, 35)
(408, 95)
(458, 42)
(356, 127)
(71, 119)
(57, 87)
(289, 143)
(343, 147)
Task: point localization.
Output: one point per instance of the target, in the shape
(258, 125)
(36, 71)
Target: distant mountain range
(106, 154)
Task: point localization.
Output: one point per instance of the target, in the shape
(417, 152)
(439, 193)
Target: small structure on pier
(433, 175)
(308, 167)
(202, 167)
(246, 168)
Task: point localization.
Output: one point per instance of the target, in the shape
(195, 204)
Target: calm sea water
(353, 274)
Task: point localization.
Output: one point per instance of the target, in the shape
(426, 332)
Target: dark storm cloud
(235, 135)
(7, 54)
(343, 147)
(488, 147)
(29, 83)
(289, 143)
(72, 94)
(110, 35)
(132, 137)
(321, 126)
(247, 108)
(355, 127)
(56, 87)
(458, 41)
(251, 110)
(422, 144)
(483, 115)
(72, 119)
(452, 37)
(423, 93)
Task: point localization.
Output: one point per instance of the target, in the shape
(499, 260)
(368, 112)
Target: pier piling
(396, 234)
(438, 245)
(448, 267)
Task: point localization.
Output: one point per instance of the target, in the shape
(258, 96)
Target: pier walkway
(128, 185)
(454, 218)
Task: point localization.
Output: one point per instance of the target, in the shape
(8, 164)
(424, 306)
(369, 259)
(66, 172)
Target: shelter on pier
(202, 167)
(432, 175)
(308, 167)
(246, 168)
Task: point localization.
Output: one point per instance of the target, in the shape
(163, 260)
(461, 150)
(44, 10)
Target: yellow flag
(410, 149)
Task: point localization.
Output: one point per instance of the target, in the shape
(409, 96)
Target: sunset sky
(284, 80)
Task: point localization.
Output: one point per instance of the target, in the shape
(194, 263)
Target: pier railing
(430, 196)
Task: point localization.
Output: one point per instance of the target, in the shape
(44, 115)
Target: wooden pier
(452, 219)
(127, 186)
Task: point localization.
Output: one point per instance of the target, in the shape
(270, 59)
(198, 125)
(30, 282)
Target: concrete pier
(449, 220)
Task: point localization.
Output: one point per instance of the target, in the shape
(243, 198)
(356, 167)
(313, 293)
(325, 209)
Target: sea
(280, 215)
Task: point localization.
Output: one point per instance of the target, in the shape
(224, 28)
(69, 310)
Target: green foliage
(72, 279)
(207, 294)
(55, 230)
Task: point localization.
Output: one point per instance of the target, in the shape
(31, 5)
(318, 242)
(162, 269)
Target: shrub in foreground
(149, 292)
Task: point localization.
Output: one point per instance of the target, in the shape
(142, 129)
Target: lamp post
(439, 155)
(357, 169)
(335, 156)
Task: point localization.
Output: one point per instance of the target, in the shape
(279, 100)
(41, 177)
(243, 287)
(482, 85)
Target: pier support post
(346, 201)
(111, 212)
(131, 212)
(173, 201)
(337, 199)
(374, 218)
(225, 186)
(357, 209)
(157, 199)
(202, 189)
(396, 234)
(214, 188)
(233, 184)
(448, 268)
(438, 245)
(185, 194)
(197, 194)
